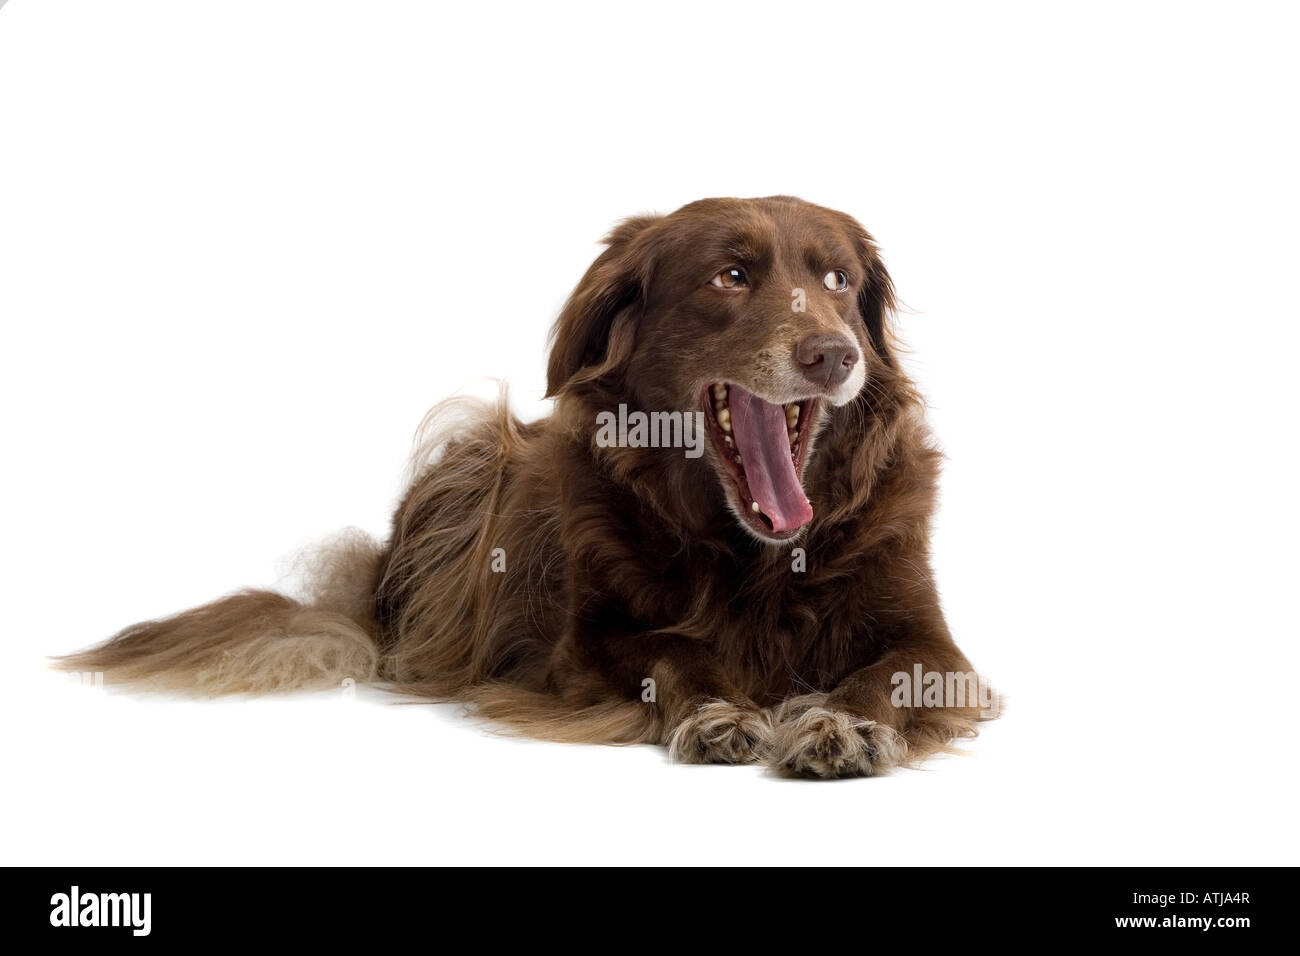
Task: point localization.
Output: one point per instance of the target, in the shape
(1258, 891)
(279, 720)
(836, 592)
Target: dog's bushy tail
(258, 641)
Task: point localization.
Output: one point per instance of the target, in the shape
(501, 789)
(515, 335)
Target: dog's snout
(826, 359)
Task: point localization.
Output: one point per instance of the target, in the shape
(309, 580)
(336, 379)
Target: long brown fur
(548, 581)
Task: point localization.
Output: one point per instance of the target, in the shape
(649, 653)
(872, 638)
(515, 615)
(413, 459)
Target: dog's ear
(876, 301)
(596, 328)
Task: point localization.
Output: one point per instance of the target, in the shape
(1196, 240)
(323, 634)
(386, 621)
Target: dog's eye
(837, 280)
(730, 279)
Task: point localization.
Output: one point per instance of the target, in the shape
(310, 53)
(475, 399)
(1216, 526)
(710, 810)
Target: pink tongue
(759, 430)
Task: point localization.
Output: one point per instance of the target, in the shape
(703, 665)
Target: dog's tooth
(738, 461)
(727, 439)
(724, 419)
(720, 393)
(753, 506)
(791, 414)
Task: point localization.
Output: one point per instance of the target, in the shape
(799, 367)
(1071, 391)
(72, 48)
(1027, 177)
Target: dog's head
(765, 314)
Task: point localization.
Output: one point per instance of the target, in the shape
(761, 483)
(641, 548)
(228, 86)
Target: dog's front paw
(809, 740)
(719, 731)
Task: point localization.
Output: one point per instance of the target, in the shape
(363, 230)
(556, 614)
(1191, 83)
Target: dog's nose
(826, 359)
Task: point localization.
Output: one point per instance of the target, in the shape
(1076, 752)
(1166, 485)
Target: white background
(244, 246)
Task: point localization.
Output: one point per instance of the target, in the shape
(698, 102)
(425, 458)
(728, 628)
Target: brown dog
(755, 589)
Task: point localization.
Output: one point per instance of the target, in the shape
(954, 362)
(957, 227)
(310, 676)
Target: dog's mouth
(762, 445)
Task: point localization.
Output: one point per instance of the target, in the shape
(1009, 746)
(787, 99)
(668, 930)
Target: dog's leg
(699, 715)
(875, 719)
